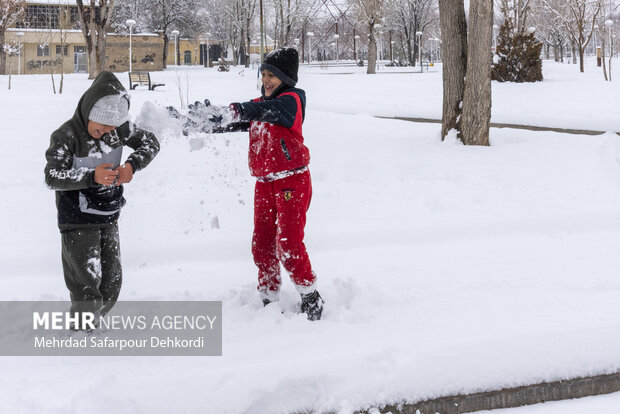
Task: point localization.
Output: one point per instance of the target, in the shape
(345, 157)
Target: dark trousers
(280, 208)
(91, 262)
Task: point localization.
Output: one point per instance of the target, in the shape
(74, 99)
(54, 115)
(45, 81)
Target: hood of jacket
(106, 83)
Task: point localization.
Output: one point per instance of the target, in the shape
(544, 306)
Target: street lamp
(175, 33)
(19, 51)
(208, 35)
(130, 23)
(355, 39)
(495, 28)
(310, 36)
(336, 37)
(595, 31)
(419, 35)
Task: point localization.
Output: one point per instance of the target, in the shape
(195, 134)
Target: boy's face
(97, 130)
(270, 81)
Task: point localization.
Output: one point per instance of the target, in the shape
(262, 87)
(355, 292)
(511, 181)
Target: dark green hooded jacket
(73, 156)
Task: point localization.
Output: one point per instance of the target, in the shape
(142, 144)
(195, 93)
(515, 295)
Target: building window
(50, 17)
(60, 51)
(187, 57)
(43, 50)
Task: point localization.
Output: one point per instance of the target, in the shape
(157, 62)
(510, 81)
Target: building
(53, 50)
(50, 40)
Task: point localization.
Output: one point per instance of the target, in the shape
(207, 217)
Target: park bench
(143, 79)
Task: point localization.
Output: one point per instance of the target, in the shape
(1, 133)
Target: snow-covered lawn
(446, 269)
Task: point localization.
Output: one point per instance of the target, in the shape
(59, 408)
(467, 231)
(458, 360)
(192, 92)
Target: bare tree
(467, 69)
(95, 23)
(64, 24)
(10, 12)
(517, 11)
(550, 29)
(579, 18)
(369, 13)
(10, 50)
(240, 14)
(407, 17)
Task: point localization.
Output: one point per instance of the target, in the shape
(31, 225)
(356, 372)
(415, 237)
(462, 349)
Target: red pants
(280, 208)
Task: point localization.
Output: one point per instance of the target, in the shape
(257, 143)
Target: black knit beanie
(283, 63)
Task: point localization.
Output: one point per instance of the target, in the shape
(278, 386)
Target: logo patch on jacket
(288, 194)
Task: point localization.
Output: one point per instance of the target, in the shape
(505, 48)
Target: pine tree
(517, 58)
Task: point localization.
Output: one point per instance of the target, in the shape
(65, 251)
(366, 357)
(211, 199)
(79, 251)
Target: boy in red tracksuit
(279, 160)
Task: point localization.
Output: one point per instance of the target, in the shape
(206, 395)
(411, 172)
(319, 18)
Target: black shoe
(312, 305)
(266, 302)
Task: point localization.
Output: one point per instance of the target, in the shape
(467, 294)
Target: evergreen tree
(517, 57)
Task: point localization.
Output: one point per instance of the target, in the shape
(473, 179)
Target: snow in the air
(445, 269)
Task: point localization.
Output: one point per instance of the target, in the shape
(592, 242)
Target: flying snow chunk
(155, 119)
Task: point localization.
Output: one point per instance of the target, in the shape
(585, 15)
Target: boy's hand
(105, 175)
(125, 174)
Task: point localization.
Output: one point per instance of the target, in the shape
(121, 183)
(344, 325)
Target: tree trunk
(372, 50)
(101, 58)
(454, 54)
(53, 80)
(92, 63)
(165, 54)
(603, 59)
(248, 43)
(477, 95)
(94, 26)
(573, 52)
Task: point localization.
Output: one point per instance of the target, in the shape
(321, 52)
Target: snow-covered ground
(446, 269)
(602, 404)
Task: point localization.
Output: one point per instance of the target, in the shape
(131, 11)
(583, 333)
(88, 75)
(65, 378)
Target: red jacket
(276, 139)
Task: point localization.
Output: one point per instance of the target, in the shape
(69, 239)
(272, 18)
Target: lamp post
(310, 36)
(175, 33)
(336, 37)
(419, 35)
(130, 23)
(495, 28)
(19, 51)
(355, 39)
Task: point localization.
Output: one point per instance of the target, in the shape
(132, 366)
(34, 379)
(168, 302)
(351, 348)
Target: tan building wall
(34, 59)
(189, 52)
(147, 52)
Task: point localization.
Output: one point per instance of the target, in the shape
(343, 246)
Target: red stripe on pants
(280, 208)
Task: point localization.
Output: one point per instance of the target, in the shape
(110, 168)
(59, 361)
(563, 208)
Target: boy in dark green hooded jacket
(83, 166)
